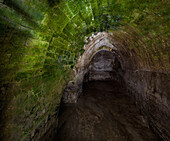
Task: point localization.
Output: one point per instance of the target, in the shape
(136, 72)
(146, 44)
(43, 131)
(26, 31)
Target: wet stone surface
(105, 112)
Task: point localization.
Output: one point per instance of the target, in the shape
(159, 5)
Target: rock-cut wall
(101, 66)
(149, 88)
(151, 91)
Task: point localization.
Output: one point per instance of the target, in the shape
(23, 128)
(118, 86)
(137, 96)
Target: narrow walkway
(104, 113)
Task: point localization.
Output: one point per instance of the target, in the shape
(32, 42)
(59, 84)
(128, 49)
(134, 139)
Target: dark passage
(105, 112)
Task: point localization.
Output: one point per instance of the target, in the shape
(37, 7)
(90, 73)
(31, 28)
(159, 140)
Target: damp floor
(105, 112)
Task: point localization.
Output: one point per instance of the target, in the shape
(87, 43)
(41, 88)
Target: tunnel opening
(46, 46)
(104, 66)
(108, 70)
(104, 110)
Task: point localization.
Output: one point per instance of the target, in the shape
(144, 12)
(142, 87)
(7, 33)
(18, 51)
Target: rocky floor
(105, 112)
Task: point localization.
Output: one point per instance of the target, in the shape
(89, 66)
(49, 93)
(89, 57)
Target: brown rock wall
(151, 91)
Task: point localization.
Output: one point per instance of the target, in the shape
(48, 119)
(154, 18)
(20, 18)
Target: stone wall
(151, 91)
(30, 82)
(101, 66)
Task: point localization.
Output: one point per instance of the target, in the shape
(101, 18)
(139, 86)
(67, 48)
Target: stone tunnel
(85, 70)
(101, 66)
(102, 61)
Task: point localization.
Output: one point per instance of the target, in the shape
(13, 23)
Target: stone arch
(101, 66)
(101, 42)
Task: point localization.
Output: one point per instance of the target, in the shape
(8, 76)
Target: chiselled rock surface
(102, 66)
(105, 112)
(71, 92)
(148, 85)
(151, 91)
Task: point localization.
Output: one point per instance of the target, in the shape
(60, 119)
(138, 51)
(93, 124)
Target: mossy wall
(40, 41)
(31, 81)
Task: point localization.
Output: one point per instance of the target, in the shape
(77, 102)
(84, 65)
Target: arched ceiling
(60, 27)
(74, 21)
(41, 41)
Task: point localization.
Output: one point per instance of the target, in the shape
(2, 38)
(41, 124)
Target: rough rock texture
(101, 66)
(151, 91)
(43, 128)
(71, 92)
(99, 43)
(41, 39)
(105, 112)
